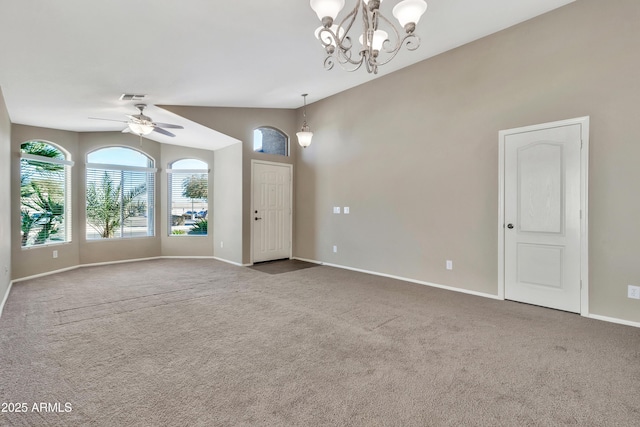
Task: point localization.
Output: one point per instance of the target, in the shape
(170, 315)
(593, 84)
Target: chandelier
(376, 47)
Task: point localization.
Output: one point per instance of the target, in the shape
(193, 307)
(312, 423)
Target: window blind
(44, 200)
(188, 206)
(120, 202)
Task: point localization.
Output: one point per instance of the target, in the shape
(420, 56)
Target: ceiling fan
(140, 124)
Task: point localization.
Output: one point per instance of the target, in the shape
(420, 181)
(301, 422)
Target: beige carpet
(203, 343)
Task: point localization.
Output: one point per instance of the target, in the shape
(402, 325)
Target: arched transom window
(270, 141)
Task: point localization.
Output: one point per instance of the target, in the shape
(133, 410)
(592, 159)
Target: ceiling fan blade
(162, 131)
(167, 126)
(126, 130)
(109, 120)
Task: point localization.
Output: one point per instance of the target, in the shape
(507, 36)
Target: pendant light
(305, 135)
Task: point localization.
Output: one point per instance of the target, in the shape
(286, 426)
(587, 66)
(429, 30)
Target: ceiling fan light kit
(142, 125)
(374, 41)
(139, 128)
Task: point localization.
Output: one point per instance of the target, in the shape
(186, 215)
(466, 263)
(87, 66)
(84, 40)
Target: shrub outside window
(45, 182)
(119, 194)
(188, 190)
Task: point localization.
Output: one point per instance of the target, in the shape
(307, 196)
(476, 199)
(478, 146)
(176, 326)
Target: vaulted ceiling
(65, 60)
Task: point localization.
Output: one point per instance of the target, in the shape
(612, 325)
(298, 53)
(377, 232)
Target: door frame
(584, 204)
(290, 166)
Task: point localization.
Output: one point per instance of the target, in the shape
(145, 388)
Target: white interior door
(542, 217)
(271, 211)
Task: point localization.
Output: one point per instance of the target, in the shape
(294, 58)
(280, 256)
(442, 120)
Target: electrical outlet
(633, 292)
(335, 249)
(55, 254)
(449, 264)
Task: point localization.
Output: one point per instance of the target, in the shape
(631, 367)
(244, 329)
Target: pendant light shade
(378, 39)
(329, 8)
(304, 138)
(409, 11)
(305, 134)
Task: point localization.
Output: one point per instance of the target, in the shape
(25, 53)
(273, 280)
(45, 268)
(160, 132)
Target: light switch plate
(346, 210)
(336, 209)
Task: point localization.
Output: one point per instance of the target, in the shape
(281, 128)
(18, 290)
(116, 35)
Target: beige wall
(239, 123)
(419, 169)
(5, 199)
(227, 203)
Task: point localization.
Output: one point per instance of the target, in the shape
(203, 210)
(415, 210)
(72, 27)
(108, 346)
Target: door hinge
(580, 283)
(580, 213)
(581, 144)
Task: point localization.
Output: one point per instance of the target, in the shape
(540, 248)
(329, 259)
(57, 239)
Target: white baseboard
(123, 261)
(48, 273)
(231, 262)
(95, 264)
(5, 297)
(614, 320)
(313, 261)
(406, 279)
(185, 257)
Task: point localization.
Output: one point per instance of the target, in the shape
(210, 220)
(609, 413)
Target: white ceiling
(65, 60)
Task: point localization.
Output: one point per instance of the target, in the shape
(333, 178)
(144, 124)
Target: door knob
(510, 226)
(257, 218)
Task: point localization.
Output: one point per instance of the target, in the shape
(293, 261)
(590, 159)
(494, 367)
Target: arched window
(45, 205)
(188, 189)
(271, 141)
(119, 194)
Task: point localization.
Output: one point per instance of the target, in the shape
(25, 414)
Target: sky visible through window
(119, 156)
(257, 140)
(189, 164)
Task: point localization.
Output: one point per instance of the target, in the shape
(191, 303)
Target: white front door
(542, 216)
(271, 211)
